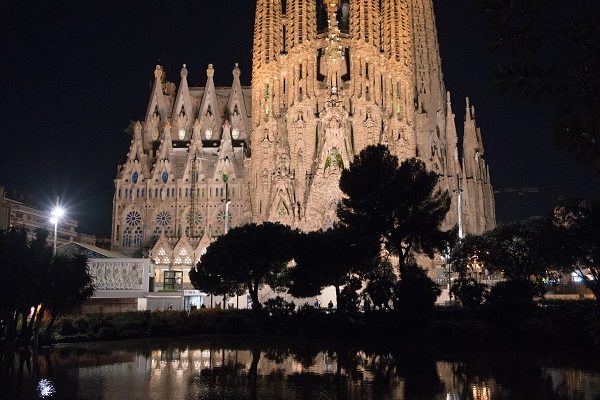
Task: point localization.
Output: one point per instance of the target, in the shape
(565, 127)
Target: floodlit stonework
(328, 79)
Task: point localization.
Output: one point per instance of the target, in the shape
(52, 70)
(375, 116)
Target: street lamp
(227, 216)
(459, 192)
(56, 214)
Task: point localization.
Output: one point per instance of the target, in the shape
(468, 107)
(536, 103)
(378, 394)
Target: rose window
(163, 218)
(195, 218)
(133, 218)
(221, 217)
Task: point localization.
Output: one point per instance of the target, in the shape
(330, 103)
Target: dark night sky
(76, 73)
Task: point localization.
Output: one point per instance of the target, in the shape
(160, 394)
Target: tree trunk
(403, 256)
(11, 326)
(256, 306)
(40, 317)
(337, 296)
(24, 326)
(592, 284)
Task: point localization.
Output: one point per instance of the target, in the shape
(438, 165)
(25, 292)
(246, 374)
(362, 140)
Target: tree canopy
(579, 225)
(247, 257)
(34, 279)
(399, 204)
(522, 251)
(330, 258)
(525, 252)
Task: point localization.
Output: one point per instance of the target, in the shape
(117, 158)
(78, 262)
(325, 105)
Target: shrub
(349, 298)
(82, 324)
(415, 295)
(306, 309)
(515, 292)
(66, 326)
(470, 292)
(98, 321)
(278, 306)
(232, 324)
(593, 328)
(106, 333)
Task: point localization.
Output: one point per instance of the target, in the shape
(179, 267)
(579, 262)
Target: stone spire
(397, 31)
(428, 64)
(236, 107)
(267, 33)
(365, 21)
(226, 161)
(451, 137)
(183, 102)
(470, 141)
(182, 111)
(268, 45)
(301, 23)
(334, 52)
(478, 192)
(157, 104)
(209, 114)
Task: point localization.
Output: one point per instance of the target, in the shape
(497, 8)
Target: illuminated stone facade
(328, 79)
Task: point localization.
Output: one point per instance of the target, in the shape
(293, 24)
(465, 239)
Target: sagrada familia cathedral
(328, 79)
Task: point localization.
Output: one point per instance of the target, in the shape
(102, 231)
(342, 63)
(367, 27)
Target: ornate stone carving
(118, 275)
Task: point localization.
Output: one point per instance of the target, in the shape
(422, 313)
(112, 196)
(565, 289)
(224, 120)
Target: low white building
(121, 283)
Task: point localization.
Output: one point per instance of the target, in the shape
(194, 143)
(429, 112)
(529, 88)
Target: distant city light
(45, 388)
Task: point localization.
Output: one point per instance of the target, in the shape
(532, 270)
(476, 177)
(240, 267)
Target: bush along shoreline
(546, 326)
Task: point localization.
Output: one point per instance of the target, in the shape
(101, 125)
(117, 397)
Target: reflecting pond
(240, 368)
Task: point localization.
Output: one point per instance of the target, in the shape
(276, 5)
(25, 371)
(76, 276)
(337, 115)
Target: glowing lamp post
(56, 214)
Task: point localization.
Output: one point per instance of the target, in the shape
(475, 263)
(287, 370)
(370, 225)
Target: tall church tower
(331, 77)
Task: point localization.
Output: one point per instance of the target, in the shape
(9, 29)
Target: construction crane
(193, 217)
(520, 191)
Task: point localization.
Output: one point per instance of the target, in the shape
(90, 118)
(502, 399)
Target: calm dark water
(203, 368)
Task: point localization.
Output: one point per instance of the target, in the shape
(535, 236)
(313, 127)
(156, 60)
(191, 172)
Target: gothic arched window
(138, 239)
(127, 237)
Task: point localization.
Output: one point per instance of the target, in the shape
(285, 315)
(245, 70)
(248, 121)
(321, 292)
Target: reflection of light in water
(45, 388)
(329, 363)
(452, 396)
(481, 393)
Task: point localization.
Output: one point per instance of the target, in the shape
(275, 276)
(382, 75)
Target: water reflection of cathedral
(283, 372)
(328, 79)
